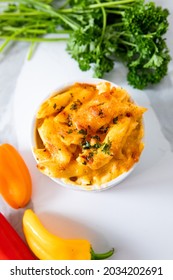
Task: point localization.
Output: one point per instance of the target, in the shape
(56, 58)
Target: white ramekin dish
(60, 182)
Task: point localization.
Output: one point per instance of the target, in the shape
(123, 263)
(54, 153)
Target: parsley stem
(127, 43)
(117, 24)
(76, 11)
(118, 4)
(64, 5)
(110, 4)
(114, 12)
(38, 28)
(104, 22)
(31, 49)
(49, 11)
(17, 14)
(8, 39)
(33, 31)
(122, 7)
(33, 39)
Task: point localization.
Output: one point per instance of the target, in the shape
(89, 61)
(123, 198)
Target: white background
(134, 217)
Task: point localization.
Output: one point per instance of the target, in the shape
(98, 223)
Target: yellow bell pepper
(15, 179)
(47, 246)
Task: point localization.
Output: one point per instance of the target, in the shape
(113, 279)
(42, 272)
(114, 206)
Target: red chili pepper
(12, 247)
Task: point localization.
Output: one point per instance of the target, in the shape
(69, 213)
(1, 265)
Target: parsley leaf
(106, 147)
(98, 34)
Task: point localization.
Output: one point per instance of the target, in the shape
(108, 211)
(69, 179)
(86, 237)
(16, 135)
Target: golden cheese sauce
(88, 134)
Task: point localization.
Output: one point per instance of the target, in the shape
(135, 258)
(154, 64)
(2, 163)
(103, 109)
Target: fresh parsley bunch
(132, 33)
(100, 33)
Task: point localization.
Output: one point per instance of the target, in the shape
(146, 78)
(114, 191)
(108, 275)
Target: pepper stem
(102, 256)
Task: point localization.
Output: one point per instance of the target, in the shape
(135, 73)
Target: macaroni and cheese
(88, 134)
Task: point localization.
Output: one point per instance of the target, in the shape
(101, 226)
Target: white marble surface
(13, 70)
(11, 62)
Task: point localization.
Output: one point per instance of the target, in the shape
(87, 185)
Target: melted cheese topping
(89, 134)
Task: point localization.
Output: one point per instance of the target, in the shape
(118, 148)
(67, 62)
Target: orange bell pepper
(15, 179)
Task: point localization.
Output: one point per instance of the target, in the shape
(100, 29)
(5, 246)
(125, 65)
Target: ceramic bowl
(60, 182)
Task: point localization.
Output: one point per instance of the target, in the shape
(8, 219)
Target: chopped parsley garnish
(101, 114)
(58, 110)
(86, 145)
(75, 105)
(115, 120)
(90, 156)
(69, 121)
(96, 137)
(96, 145)
(82, 131)
(70, 131)
(103, 129)
(106, 147)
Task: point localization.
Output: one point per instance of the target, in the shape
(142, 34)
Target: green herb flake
(86, 145)
(96, 145)
(115, 120)
(101, 114)
(90, 156)
(69, 121)
(96, 137)
(70, 131)
(82, 131)
(103, 129)
(75, 105)
(54, 106)
(106, 147)
(60, 109)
